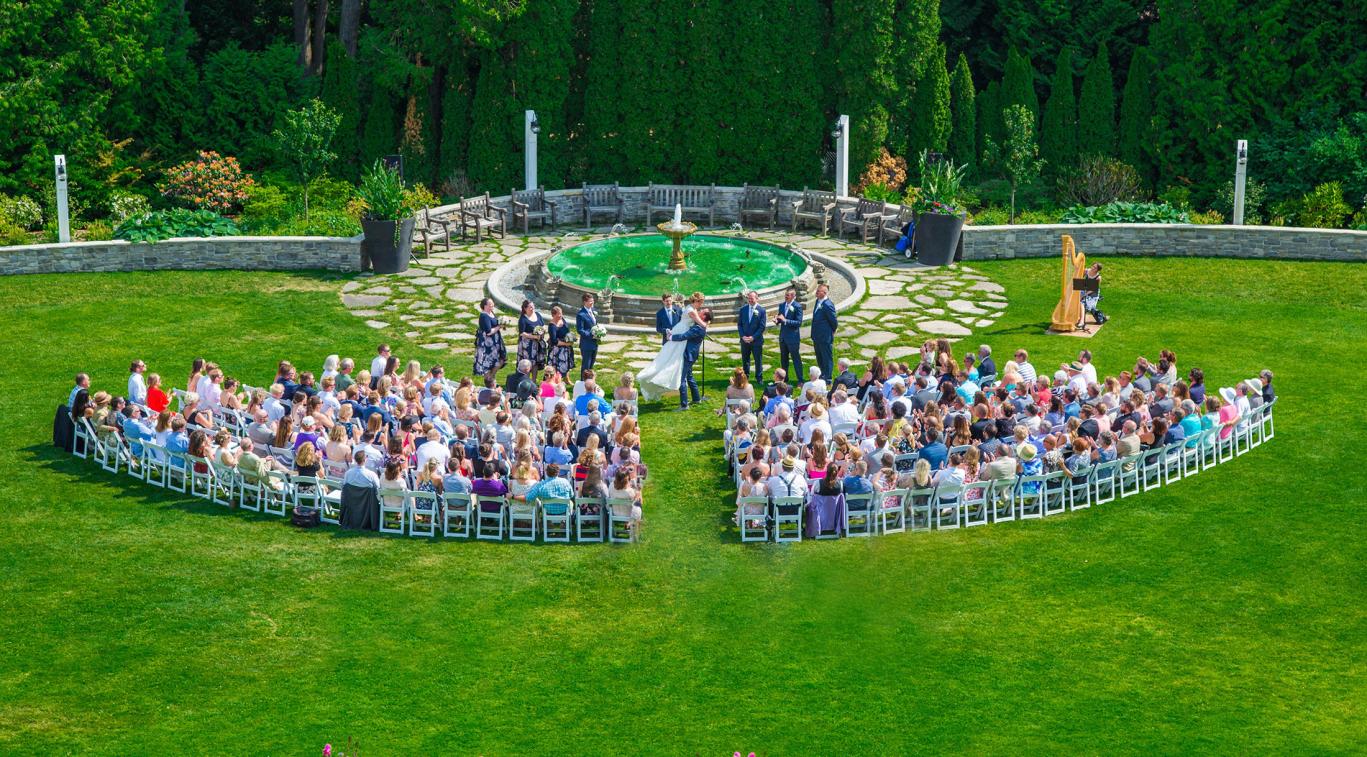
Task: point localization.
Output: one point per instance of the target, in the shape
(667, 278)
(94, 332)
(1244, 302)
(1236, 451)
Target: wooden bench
(815, 207)
(483, 216)
(758, 202)
(430, 228)
(891, 228)
(531, 205)
(865, 217)
(601, 199)
(692, 199)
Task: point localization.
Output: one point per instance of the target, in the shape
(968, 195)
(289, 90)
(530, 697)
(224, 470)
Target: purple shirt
(488, 487)
(306, 436)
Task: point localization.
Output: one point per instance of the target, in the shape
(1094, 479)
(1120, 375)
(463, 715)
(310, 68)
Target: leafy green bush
(1039, 217)
(99, 231)
(11, 234)
(1323, 207)
(1255, 194)
(178, 222)
(21, 211)
(320, 223)
(1176, 196)
(418, 197)
(1099, 180)
(125, 205)
(1208, 218)
(1126, 212)
(266, 208)
(993, 216)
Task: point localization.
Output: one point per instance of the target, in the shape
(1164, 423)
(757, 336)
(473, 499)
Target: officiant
(667, 316)
(750, 325)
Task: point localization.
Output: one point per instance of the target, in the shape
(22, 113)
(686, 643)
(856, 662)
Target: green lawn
(1225, 613)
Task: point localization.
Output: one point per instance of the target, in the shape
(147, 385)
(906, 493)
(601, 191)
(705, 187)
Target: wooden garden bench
(693, 199)
(815, 207)
(601, 199)
(865, 217)
(760, 203)
(431, 228)
(531, 205)
(483, 216)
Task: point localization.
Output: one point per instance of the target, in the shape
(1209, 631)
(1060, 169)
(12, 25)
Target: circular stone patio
(435, 303)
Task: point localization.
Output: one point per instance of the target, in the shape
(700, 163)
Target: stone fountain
(676, 230)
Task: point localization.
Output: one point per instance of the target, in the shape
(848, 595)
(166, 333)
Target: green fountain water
(716, 265)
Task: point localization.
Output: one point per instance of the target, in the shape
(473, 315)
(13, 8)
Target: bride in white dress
(665, 372)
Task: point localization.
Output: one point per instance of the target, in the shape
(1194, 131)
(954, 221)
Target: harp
(1068, 311)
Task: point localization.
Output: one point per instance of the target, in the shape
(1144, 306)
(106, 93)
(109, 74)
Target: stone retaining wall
(194, 253)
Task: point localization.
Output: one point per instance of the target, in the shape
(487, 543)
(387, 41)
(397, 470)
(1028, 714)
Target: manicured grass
(1225, 613)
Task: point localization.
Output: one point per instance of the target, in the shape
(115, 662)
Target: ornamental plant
(177, 222)
(941, 184)
(888, 171)
(382, 191)
(209, 182)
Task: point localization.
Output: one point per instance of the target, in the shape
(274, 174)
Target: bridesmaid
(562, 352)
(530, 345)
(490, 352)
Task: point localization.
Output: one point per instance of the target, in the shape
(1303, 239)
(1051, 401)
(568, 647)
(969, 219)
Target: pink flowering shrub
(210, 182)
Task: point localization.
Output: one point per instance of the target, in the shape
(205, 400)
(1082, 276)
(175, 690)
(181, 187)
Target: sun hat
(1257, 384)
(1228, 395)
(1075, 366)
(789, 462)
(1026, 451)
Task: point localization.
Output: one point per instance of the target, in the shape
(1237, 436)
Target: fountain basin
(717, 266)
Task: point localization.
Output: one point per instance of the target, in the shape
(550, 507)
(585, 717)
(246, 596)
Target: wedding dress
(665, 372)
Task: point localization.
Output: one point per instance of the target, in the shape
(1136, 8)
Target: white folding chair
(946, 514)
(522, 521)
(588, 519)
(1105, 482)
(1029, 497)
(556, 514)
(787, 518)
(393, 509)
(621, 525)
(1172, 462)
(752, 518)
(250, 492)
(277, 493)
(423, 510)
(1079, 489)
(489, 524)
(859, 509)
(457, 515)
(1129, 475)
(224, 490)
(1001, 499)
(83, 440)
(920, 507)
(1269, 428)
(1151, 467)
(973, 510)
(201, 476)
(891, 511)
(1054, 493)
(154, 464)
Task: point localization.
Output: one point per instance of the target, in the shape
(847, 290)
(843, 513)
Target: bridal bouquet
(539, 332)
(599, 332)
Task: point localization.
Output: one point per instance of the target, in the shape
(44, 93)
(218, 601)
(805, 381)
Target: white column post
(1240, 176)
(842, 156)
(63, 218)
(530, 129)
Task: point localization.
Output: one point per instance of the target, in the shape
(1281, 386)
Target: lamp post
(63, 217)
(1240, 176)
(531, 127)
(841, 132)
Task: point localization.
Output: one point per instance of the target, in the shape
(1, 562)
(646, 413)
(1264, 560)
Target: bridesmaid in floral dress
(562, 350)
(490, 352)
(531, 336)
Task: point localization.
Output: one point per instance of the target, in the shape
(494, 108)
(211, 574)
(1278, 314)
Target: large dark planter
(938, 237)
(379, 248)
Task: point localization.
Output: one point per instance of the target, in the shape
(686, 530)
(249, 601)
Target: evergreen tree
(989, 117)
(1017, 158)
(342, 92)
(541, 41)
(861, 39)
(963, 145)
(380, 135)
(916, 25)
(1136, 113)
(1096, 109)
(1018, 84)
(649, 42)
(493, 164)
(603, 104)
(930, 130)
(455, 125)
(1058, 132)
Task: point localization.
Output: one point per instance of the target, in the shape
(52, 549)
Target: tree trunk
(349, 25)
(301, 32)
(320, 36)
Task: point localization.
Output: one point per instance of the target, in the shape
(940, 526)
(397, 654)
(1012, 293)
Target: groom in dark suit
(750, 325)
(584, 323)
(667, 317)
(790, 335)
(693, 337)
(823, 331)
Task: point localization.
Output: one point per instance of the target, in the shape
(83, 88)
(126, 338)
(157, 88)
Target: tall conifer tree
(1096, 108)
(861, 38)
(930, 130)
(1058, 133)
(1136, 113)
(963, 144)
(1018, 84)
(916, 38)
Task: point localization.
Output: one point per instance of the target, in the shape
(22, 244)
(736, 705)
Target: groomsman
(789, 321)
(584, 323)
(667, 317)
(750, 325)
(823, 331)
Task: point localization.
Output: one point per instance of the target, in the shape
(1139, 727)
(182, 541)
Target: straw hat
(789, 462)
(101, 397)
(1026, 451)
(1228, 395)
(1257, 385)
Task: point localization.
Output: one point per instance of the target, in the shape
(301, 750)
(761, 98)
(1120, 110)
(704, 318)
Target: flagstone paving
(436, 301)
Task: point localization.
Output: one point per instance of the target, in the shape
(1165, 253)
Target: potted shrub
(939, 219)
(387, 221)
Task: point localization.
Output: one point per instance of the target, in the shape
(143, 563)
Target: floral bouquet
(539, 332)
(572, 337)
(599, 332)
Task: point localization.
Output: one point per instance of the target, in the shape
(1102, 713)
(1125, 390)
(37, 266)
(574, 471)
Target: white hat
(1257, 385)
(1227, 393)
(307, 422)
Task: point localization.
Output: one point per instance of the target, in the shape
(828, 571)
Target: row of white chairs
(952, 506)
(415, 513)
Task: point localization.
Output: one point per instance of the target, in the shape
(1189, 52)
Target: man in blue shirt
(82, 382)
(558, 453)
(780, 398)
(591, 392)
(935, 451)
(550, 487)
(135, 429)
